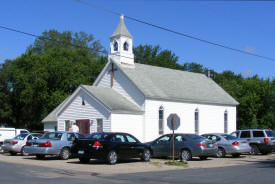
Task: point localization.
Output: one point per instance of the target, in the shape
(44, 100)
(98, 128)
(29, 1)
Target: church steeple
(121, 45)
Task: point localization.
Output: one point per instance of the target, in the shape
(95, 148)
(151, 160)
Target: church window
(83, 101)
(115, 46)
(125, 46)
(197, 121)
(161, 120)
(225, 121)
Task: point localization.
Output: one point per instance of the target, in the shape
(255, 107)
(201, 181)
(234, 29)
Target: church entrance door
(84, 126)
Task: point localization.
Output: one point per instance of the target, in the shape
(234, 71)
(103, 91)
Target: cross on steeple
(113, 71)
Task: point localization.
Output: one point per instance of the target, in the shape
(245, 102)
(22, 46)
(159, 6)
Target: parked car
(52, 143)
(260, 140)
(17, 144)
(110, 147)
(228, 144)
(186, 146)
(9, 133)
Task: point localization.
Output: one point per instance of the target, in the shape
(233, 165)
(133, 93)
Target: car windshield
(270, 133)
(98, 136)
(52, 135)
(228, 137)
(194, 136)
(21, 136)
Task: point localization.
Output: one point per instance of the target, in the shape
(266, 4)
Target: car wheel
(84, 160)
(186, 155)
(203, 157)
(65, 154)
(254, 150)
(265, 152)
(146, 155)
(236, 155)
(23, 153)
(13, 153)
(220, 153)
(40, 157)
(112, 157)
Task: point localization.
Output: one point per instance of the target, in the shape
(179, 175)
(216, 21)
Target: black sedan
(110, 147)
(186, 146)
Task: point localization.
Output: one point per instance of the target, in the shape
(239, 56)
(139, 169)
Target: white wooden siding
(132, 124)
(92, 110)
(211, 118)
(123, 86)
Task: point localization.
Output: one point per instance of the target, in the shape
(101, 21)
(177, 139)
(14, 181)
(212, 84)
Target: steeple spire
(121, 45)
(121, 29)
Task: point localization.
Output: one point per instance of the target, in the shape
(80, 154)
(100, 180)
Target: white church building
(138, 98)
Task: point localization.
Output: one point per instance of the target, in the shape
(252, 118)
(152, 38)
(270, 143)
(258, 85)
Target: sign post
(173, 122)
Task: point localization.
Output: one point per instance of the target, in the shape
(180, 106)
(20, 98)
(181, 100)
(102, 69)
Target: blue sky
(246, 25)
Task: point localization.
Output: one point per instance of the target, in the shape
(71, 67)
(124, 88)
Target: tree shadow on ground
(103, 162)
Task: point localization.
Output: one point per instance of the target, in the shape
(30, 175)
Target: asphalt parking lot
(131, 166)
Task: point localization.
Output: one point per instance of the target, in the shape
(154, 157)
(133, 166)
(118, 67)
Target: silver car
(228, 144)
(52, 143)
(17, 144)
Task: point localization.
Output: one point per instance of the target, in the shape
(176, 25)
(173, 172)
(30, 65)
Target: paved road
(255, 173)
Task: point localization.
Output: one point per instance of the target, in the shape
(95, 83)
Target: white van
(9, 133)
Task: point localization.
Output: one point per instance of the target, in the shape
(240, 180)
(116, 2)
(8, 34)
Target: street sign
(173, 121)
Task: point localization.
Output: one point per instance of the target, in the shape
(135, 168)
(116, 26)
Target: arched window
(161, 111)
(225, 122)
(115, 46)
(125, 46)
(197, 121)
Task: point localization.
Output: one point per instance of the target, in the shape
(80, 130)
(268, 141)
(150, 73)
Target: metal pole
(173, 127)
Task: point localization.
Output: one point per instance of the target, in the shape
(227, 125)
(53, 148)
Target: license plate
(210, 145)
(35, 145)
(81, 152)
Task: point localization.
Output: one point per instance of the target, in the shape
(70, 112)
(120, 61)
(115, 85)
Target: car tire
(236, 155)
(112, 157)
(265, 152)
(220, 153)
(203, 157)
(13, 153)
(185, 155)
(146, 155)
(84, 160)
(23, 153)
(254, 149)
(40, 157)
(65, 154)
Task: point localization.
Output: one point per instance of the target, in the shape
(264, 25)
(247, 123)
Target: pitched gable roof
(176, 85)
(121, 29)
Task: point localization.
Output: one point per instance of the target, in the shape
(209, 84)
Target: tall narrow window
(225, 121)
(99, 125)
(197, 122)
(115, 46)
(125, 46)
(161, 120)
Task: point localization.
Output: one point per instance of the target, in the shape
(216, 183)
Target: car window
(80, 136)
(258, 133)
(70, 137)
(194, 136)
(235, 134)
(245, 134)
(228, 137)
(23, 132)
(118, 138)
(179, 138)
(131, 139)
(52, 135)
(165, 138)
(29, 138)
(21, 136)
(97, 136)
(270, 133)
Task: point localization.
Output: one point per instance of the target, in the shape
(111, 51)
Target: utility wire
(176, 32)
(46, 38)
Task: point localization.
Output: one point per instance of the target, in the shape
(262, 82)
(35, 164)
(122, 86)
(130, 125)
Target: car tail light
(266, 140)
(28, 144)
(201, 145)
(236, 143)
(215, 145)
(97, 144)
(45, 144)
(14, 142)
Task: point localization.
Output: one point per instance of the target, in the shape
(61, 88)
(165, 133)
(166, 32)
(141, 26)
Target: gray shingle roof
(168, 84)
(113, 100)
(121, 29)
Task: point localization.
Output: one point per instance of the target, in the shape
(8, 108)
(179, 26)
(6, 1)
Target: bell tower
(121, 45)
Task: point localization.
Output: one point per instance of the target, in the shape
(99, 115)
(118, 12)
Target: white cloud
(250, 49)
